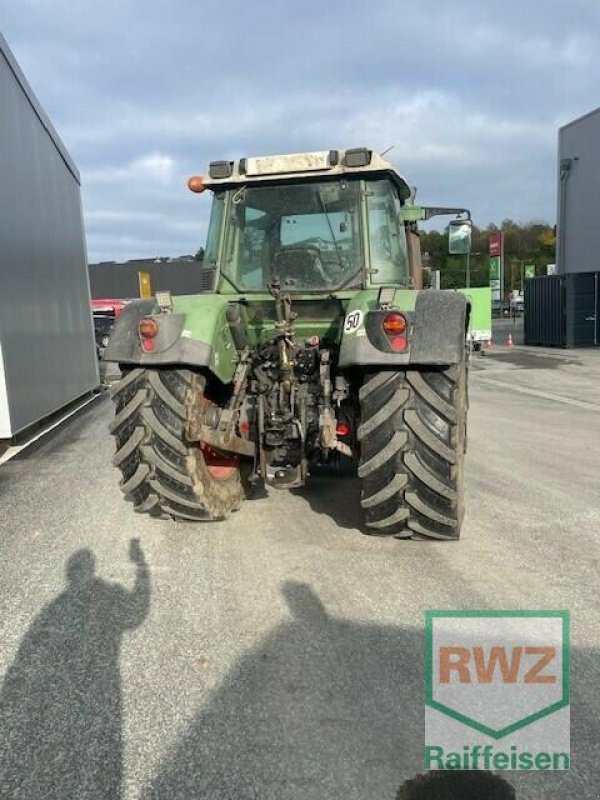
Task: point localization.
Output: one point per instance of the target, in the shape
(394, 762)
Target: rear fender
(436, 332)
(195, 334)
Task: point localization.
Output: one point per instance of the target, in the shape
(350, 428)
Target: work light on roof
(357, 157)
(294, 162)
(220, 169)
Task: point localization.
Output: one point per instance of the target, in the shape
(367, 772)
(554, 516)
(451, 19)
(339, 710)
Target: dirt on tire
(164, 474)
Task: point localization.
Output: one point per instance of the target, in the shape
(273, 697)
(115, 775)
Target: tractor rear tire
(164, 474)
(412, 438)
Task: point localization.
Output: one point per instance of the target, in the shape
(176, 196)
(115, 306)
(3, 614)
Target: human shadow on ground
(326, 708)
(60, 703)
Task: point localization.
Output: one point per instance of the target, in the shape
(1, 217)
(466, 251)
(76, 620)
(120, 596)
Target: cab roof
(325, 163)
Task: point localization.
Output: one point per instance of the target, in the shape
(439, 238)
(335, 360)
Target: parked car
(114, 307)
(103, 325)
(517, 303)
(105, 313)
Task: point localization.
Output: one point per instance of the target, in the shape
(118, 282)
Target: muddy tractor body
(310, 341)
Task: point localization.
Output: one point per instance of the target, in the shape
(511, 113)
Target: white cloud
(542, 49)
(123, 216)
(471, 94)
(153, 167)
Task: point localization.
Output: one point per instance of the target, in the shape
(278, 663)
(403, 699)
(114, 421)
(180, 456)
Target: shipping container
(563, 310)
(582, 305)
(544, 323)
(47, 349)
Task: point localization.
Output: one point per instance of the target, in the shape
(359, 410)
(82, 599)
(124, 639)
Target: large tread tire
(412, 439)
(164, 475)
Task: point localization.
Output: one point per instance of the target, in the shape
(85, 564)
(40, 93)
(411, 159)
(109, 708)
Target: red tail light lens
(342, 429)
(394, 324)
(399, 343)
(148, 328)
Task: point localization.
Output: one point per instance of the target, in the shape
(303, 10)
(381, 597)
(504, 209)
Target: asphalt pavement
(279, 655)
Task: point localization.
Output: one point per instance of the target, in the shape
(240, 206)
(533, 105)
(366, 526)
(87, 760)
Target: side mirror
(459, 236)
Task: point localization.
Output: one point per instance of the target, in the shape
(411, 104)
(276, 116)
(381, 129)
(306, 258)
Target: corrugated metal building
(47, 349)
(578, 217)
(564, 310)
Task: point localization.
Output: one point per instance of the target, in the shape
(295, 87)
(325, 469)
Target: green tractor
(311, 341)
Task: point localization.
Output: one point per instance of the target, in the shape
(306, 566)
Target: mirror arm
(437, 212)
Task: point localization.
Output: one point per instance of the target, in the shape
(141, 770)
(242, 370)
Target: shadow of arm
(137, 601)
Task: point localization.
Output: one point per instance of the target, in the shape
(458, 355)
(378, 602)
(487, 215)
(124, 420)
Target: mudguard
(436, 334)
(211, 347)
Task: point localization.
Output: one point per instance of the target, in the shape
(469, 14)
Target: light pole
(468, 276)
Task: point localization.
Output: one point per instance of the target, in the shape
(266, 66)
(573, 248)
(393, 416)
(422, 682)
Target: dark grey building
(47, 348)
(578, 217)
(564, 309)
(180, 275)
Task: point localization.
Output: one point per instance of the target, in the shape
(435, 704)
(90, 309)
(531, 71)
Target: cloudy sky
(471, 94)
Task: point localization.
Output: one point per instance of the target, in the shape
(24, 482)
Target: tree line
(534, 243)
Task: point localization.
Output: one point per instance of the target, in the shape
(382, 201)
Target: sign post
(527, 271)
(495, 278)
(497, 266)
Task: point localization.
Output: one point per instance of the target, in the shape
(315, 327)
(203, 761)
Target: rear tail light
(399, 343)
(395, 328)
(394, 323)
(148, 328)
(342, 429)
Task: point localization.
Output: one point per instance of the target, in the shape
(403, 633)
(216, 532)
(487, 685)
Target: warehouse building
(578, 213)
(564, 309)
(122, 280)
(47, 349)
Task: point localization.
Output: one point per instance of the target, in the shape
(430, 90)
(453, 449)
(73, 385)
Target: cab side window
(387, 238)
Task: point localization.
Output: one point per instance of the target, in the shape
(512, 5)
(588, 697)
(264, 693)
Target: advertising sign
(495, 278)
(496, 242)
(497, 690)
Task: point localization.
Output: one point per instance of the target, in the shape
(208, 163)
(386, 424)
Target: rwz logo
(479, 664)
(496, 673)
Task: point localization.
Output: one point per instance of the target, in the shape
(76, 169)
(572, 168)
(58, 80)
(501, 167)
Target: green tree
(533, 243)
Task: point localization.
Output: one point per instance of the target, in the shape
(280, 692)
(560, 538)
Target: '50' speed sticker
(353, 321)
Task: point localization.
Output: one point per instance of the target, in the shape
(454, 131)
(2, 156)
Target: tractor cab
(315, 222)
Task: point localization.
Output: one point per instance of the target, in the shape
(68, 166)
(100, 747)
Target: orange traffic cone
(509, 341)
